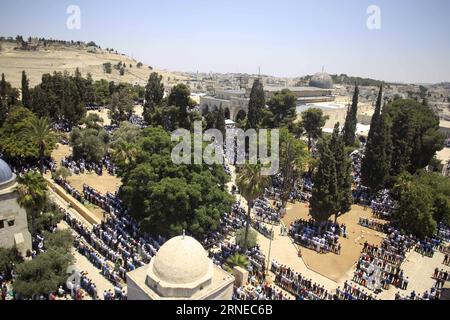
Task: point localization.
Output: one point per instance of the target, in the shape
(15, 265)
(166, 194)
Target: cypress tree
(343, 173)
(154, 93)
(323, 202)
(25, 91)
(3, 87)
(375, 164)
(351, 120)
(256, 104)
(220, 120)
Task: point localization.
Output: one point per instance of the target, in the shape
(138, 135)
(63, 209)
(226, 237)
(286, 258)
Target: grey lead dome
(321, 80)
(6, 174)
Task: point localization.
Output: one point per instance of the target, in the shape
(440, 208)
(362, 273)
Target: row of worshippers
(307, 234)
(69, 189)
(434, 294)
(384, 254)
(377, 274)
(263, 211)
(229, 222)
(443, 231)
(260, 292)
(427, 246)
(446, 259)
(81, 166)
(441, 274)
(263, 229)
(297, 284)
(373, 224)
(383, 205)
(352, 292)
(113, 251)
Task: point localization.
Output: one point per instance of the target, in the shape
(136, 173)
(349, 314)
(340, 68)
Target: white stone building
(13, 219)
(181, 270)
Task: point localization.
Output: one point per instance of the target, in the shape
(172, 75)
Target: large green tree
(413, 213)
(283, 107)
(312, 123)
(415, 135)
(18, 142)
(47, 271)
(121, 108)
(89, 144)
(351, 121)
(166, 198)
(294, 158)
(62, 97)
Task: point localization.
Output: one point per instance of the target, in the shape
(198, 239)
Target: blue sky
(284, 37)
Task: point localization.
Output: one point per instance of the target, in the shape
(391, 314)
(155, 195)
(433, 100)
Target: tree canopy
(166, 198)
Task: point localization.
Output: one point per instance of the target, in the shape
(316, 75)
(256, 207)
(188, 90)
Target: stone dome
(6, 175)
(321, 80)
(181, 260)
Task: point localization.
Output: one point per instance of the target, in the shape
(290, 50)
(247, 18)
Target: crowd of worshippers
(263, 229)
(265, 212)
(356, 162)
(377, 274)
(350, 292)
(373, 224)
(427, 246)
(361, 195)
(383, 205)
(443, 231)
(109, 202)
(138, 121)
(297, 284)
(111, 242)
(229, 222)
(81, 166)
(441, 276)
(307, 234)
(380, 266)
(69, 189)
(261, 292)
(62, 126)
(434, 294)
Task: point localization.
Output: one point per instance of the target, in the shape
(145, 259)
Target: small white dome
(181, 260)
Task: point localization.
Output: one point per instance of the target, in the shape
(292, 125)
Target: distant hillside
(38, 58)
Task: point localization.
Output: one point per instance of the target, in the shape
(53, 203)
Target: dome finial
(184, 233)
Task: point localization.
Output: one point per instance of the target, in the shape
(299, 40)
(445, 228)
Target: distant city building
(13, 219)
(235, 102)
(321, 80)
(180, 270)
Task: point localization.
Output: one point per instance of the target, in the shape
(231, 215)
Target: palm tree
(251, 184)
(238, 260)
(42, 135)
(32, 190)
(125, 153)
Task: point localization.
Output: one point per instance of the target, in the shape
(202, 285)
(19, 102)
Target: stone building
(13, 219)
(235, 102)
(181, 270)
